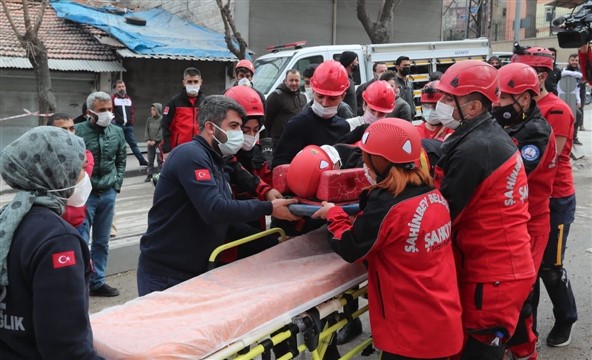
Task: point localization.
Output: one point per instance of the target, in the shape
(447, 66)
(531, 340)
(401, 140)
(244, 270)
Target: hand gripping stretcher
(291, 294)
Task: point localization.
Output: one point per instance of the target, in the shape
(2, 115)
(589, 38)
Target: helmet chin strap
(458, 107)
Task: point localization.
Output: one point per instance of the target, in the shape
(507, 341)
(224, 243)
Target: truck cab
(426, 58)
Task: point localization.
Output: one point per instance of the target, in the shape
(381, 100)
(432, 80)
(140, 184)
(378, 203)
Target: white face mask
(308, 93)
(370, 179)
(103, 118)
(234, 141)
(324, 112)
(192, 89)
(444, 113)
(431, 116)
(250, 141)
(369, 118)
(81, 192)
(245, 82)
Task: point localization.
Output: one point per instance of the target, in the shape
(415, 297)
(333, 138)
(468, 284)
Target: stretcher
(290, 293)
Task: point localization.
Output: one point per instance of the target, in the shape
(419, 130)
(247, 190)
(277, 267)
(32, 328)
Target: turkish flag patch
(202, 175)
(166, 111)
(63, 259)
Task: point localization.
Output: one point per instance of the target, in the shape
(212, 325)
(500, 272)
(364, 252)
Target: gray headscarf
(44, 158)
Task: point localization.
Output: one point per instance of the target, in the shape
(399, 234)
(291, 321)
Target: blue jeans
(100, 207)
(148, 283)
(130, 138)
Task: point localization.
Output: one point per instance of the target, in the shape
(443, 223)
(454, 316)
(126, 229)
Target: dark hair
(214, 109)
(436, 75)
(57, 117)
(400, 59)
(292, 71)
(478, 96)
(376, 65)
(191, 71)
(117, 82)
(388, 75)
(552, 49)
(572, 56)
(243, 70)
(492, 59)
(309, 71)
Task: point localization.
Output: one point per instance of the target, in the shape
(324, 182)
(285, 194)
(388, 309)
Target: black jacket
(282, 105)
(305, 129)
(191, 212)
(45, 313)
(350, 96)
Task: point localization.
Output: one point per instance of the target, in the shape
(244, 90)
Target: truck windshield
(268, 71)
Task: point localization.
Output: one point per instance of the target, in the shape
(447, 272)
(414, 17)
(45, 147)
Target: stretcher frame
(304, 320)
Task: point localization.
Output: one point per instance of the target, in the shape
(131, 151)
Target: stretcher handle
(219, 249)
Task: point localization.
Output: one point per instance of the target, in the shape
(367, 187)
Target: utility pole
(517, 20)
(475, 18)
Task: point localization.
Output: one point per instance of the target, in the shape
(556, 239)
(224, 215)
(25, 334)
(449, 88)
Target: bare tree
(36, 53)
(230, 32)
(379, 31)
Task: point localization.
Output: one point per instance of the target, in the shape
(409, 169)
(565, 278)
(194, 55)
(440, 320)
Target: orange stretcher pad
(211, 312)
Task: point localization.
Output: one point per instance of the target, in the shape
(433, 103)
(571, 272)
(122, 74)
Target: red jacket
(179, 120)
(586, 65)
(536, 142)
(482, 176)
(559, 115)
(412, 290)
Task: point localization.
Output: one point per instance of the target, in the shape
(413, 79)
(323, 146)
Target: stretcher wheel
(308, 210)
(134, 20)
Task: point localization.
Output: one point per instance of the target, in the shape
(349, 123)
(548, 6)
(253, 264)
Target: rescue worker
(520, 116)
(562, 203)
(403, 235)
(45, 263)
(431, 127)
(378, 100)
(350, 62)
(378, 69)
(179, 120)
(402, 109)
(481, 175)
(319, 124)
(243, 73)
(343, 109)
(193, 206)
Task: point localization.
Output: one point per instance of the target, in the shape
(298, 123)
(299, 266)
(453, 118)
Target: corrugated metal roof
(126, 53)
(63, 65)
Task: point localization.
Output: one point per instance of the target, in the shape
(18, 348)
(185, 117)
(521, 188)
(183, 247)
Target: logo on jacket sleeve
(202, 175)
(530, 152)
(63, 259)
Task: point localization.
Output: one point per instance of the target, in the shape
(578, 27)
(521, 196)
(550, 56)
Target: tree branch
(39, 17)
(26, 16)
(363, 16)
(386, 13)
(19, 36)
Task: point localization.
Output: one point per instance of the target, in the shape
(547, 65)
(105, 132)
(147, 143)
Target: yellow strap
(559, 245)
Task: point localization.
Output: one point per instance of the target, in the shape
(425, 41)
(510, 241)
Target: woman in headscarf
(44, 262)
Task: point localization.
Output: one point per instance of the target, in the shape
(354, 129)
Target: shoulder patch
(530, 152)
(63, 259)
(166, 111)
(558, 112)
(202, 175)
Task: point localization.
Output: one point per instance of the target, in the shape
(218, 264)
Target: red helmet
(244, 63)
(470, 76)
(396, 140)
(380, 96)
(516, 78)
(535, 57)
(305, 170)
(330, 79)
(430, 94)
(248, 99)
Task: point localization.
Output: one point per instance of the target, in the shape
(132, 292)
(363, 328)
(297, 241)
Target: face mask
(430, 116)
(104, 118)
(192, 89)
(81, 192)
(355, 68)
(250, 141)
(121, 93)
(444, 112)
(404, 71)
(234, 141)
(505, 115)
(369, 118)
(324, 112)
(308, 93)
(244, 82)
(368, 177)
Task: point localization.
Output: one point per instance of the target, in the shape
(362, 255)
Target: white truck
(426, 58)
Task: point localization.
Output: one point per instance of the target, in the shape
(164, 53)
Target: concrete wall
(283, 21)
